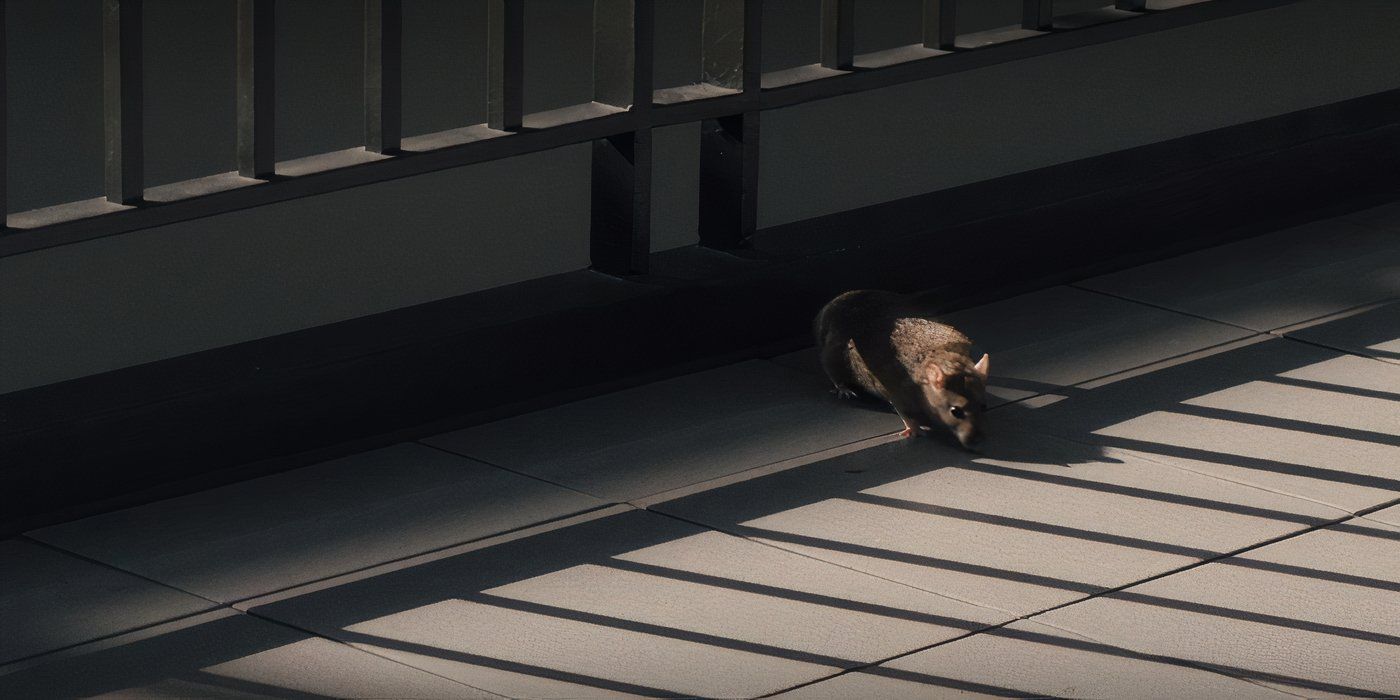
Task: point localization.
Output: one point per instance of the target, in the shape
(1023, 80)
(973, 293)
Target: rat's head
(954, 391)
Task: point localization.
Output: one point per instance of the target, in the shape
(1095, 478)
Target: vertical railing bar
(506, 64)
(1038, 14)
(752, 58)
(619, 57)
(623, 53)
(383, 75)
(643, 54)
(122, 97)
(940, 24)
(838, 34)
(256, 68)
(728, 199)
(620, 225)
(4, 124)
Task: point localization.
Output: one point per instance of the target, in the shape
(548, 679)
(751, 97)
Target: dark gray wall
(110, 303)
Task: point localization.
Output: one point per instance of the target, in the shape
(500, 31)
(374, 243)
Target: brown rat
(878, 343)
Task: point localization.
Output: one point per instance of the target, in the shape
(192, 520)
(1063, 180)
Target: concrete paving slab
(1026, 659)
(662, 436)
(1315, 614)
(1389, 516)
(257, 536)
(1277, 414)
(1273, 280)
(1063, 336)
(1385, 217)
(50, 600)
(635, 603)
(1033, 523)
(1373, 332)
(224, 654)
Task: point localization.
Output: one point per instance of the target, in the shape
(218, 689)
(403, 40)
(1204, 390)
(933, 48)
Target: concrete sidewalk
(1189, 489)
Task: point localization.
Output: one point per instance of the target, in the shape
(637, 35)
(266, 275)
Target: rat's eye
(957, 412)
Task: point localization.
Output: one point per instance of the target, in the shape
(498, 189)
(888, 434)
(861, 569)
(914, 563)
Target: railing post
(838, 33)
(4, 126)
(505, 20)
(940, 24)
(730, 47)
(383, 75)
(620, 230)
(257, 155)
(121, 100)
(1038, 14)
(623, 49)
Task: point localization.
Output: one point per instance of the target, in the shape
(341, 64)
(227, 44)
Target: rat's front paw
(842, 392)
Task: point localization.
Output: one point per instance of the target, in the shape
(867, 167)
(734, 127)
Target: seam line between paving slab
(1160, 307)
(460, 455)
(234, 605)
(1167, 660)
(363, 650)
(76, 650)
(1324, 346)
(213, 604)
(1278, 331)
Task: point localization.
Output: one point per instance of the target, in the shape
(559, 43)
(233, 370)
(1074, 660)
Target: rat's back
(872, 340)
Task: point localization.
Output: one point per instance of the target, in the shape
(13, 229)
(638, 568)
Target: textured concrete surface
(1191, 488)
(310, 523)
(49, 600)
(1273, 281)
(673, 433)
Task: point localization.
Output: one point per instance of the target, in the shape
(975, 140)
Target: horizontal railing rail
(728, 102)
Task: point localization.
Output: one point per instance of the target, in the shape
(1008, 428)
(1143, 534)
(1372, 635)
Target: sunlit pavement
(1190, 489)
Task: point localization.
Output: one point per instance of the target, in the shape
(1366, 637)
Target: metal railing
(728, 102)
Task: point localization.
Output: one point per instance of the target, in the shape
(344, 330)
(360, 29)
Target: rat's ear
(983, 365)
(933, 374)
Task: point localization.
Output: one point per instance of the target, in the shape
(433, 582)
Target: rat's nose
(970, 439)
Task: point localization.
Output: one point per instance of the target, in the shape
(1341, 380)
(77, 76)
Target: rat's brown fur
(878, 343)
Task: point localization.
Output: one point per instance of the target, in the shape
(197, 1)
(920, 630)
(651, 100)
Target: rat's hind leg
(836, 362)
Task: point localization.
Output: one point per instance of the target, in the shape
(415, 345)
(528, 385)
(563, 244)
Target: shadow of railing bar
(1150, 495)
(655, 630)
(1337, 388)
(1264, 421)
(1309, 572)
(1036, 526)
(1033, 386)
(921, 560)
(1125, 541)
(243, 686)
(1061, 584)
(1222, 669)
(1362, 531)
(1256, 617)
(504, 665)
(1253, 463)
(797, 596)
(942, 682)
